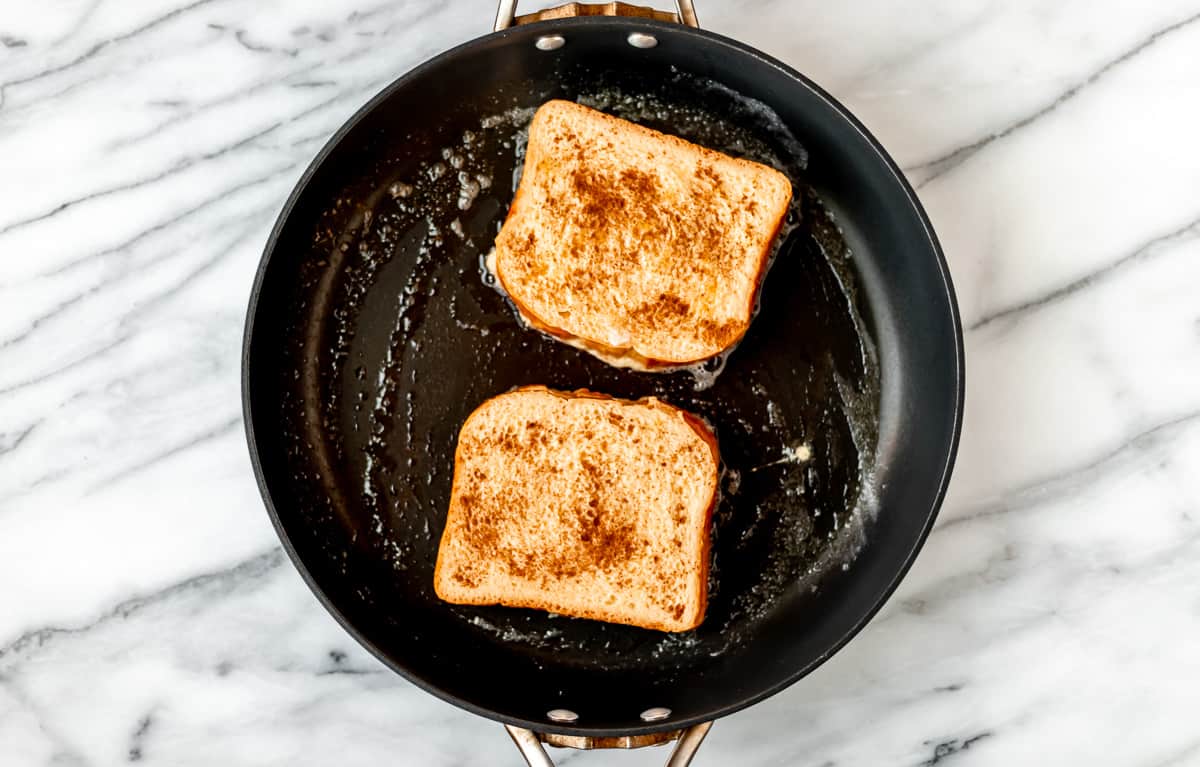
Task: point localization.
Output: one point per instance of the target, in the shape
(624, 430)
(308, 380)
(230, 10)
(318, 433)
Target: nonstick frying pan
(373, 331)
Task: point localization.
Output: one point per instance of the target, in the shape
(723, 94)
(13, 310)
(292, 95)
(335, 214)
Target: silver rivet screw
(550, 42)
(656, 714)
(561, 715)
(642, 40)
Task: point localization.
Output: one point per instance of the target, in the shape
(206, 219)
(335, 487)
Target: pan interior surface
(376, 330)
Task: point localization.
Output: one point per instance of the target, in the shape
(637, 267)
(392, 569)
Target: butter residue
(798, 453)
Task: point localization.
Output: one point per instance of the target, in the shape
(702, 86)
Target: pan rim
(737, 48)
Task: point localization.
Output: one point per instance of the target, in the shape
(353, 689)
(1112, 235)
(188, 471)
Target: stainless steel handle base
(530, 745)
(506, 12)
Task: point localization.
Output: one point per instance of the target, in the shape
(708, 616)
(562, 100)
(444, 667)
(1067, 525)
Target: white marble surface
(147, 613)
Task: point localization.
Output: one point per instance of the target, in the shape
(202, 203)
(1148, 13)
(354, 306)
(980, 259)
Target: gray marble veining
(148, 614)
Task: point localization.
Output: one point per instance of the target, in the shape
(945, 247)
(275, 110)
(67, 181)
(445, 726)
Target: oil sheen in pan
(415, 339)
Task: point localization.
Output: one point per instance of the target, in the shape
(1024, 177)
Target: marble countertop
(148, 614)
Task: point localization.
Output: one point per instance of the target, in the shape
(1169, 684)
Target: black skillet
(372, 333)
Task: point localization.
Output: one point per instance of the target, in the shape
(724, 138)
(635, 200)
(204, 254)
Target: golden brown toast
(641, 247)
(582, 505)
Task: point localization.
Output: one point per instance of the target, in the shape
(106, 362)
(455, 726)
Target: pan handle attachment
(506, 13)
(688, 742)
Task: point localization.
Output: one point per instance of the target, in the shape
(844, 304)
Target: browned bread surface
(583, 505)
(638, 244)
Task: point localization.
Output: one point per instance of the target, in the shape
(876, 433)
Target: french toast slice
(582, 505)
(637, 246)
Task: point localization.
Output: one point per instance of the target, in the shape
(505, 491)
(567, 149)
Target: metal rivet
(642, 40)
(656, 714)
(550, 42)
(561, 715)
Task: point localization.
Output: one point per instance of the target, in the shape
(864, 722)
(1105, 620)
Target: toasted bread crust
(647, 268)
(560, 592)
